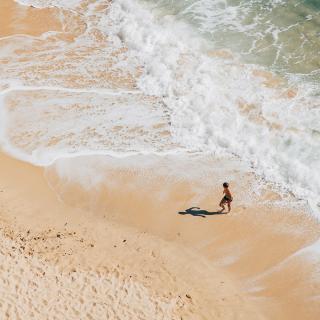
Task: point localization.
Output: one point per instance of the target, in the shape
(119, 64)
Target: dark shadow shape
(199, 212)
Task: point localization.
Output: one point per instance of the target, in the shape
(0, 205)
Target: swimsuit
(226, 198)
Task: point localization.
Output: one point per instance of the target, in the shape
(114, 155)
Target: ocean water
(238, 79)
(281, 35)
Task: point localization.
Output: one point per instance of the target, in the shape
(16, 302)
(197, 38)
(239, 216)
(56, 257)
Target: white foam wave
(43, 125)
(99, 91)
(69, 4)
(221, 106)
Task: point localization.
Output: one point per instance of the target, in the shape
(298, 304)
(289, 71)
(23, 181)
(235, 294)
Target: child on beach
(227, 199)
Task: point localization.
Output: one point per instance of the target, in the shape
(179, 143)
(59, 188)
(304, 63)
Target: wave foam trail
(43, 125)
(70, 4)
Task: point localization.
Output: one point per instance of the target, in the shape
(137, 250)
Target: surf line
(71, 90)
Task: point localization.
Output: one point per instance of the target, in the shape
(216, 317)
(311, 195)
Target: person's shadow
(197, 212)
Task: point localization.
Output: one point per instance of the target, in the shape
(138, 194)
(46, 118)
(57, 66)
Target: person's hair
(225, 184)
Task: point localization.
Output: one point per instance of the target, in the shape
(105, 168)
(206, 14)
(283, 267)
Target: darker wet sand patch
(19, 19)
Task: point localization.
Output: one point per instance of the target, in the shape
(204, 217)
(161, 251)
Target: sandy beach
(61, 262)
(142, 259)
(140, 236)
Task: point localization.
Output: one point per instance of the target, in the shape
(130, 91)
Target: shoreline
(240, 249)
(72, 240)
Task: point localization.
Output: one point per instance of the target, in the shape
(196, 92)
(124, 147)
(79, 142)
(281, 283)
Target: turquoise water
(283, 36)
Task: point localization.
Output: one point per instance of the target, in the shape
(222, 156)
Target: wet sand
(18, 19)
(90, 265)
(257, 243)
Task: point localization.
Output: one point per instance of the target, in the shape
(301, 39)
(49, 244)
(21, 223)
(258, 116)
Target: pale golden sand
(58, 261)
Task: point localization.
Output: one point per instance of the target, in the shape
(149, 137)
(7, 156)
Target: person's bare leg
(229, 207)
(222, 206)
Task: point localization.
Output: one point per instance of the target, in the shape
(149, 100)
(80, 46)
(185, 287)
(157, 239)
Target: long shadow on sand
(197, 212)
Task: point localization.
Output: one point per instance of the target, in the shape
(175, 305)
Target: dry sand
(123, 251)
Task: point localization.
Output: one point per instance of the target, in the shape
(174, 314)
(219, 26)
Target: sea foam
(221, 106)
